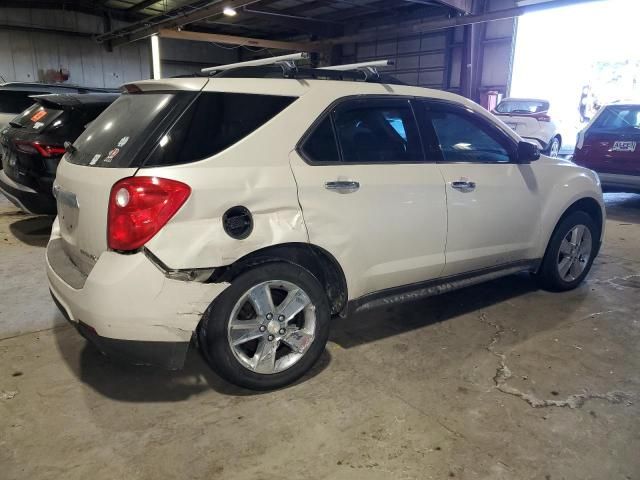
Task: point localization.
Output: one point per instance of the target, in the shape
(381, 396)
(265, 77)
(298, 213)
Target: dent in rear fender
(195, 237)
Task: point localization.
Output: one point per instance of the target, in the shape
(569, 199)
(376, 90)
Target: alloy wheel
(574, 253)
(271, 327)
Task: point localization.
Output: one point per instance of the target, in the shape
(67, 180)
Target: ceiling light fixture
(229, 12)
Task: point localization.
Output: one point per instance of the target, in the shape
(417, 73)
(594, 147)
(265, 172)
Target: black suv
(33, 143)
(15, 97)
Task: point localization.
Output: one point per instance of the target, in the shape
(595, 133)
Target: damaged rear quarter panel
(195, 237)
(254, 173)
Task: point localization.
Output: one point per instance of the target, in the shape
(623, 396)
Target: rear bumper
(26, 198)
(170, 355)
(127, 307)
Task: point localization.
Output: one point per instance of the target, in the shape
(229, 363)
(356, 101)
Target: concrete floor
(499, 381)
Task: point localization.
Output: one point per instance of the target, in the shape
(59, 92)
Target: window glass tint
(16, 101)
(463, 139)
(321, 144)
(214, 122)
(618, 118)
(115, 137)
(378, 134)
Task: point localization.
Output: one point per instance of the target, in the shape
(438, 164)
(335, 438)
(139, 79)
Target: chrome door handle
(342, 186)
(464, 186)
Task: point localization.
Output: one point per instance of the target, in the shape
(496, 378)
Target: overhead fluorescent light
(155, 57)
(229, 12)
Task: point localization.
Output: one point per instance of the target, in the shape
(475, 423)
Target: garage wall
(32, 56)
(182, 57)
(435, 59)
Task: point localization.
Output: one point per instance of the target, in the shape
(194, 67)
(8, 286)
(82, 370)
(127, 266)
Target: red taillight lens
(139, 207)
(541, 117)
(44, 149)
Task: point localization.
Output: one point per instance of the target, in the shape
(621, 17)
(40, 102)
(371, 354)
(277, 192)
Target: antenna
(286, 60)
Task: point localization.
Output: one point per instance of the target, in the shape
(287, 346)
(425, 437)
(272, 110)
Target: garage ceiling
(256, 18)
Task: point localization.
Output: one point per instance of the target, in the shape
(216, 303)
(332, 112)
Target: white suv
(247, 212)
(530, 119)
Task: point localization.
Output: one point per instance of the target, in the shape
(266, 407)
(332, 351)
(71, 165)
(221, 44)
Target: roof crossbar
(359, 66)
(368, 69)
(287, 61)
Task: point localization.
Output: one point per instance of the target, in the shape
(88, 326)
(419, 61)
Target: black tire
(213, 334)
(549, 274)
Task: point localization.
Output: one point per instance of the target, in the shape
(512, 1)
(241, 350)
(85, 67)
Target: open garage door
(578, 58)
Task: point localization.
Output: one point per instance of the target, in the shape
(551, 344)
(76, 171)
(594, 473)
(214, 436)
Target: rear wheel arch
(319, 262)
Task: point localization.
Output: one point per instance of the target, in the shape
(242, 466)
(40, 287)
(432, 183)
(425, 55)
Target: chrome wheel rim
(574, 253)
(271, 327)
(555, 149)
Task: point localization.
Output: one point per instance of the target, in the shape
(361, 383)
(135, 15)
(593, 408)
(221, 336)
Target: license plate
(621, 146)
(512, 126)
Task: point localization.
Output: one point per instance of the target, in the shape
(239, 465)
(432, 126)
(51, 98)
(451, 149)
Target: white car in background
(530, 119)
(248, 212)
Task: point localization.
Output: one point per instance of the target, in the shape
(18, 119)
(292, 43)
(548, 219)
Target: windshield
(114, 139)
(522, 106)
(618, 118)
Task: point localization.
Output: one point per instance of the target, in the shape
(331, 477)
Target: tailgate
(82, 195)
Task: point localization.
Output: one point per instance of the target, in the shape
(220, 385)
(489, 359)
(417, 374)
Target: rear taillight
(541, 117)
(139, 207)
(45, 149)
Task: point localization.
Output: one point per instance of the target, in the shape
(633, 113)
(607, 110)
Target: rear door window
(378, 131)
(321, 146)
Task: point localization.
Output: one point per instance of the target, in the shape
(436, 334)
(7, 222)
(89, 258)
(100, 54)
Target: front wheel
(570, 253)
(268, 328)
(554, 147)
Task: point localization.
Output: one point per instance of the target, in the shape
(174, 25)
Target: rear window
(172, 128)
(618, 118)
(38, 118)
(16, 101)
(522, 106)
(115, 138)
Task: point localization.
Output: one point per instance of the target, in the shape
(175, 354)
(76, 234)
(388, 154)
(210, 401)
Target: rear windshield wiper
(15, 125)
(69, 148)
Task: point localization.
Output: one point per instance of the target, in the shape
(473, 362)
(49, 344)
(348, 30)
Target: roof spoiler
(69, 101)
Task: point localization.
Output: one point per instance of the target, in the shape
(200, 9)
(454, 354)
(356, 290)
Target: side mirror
(528, 152)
